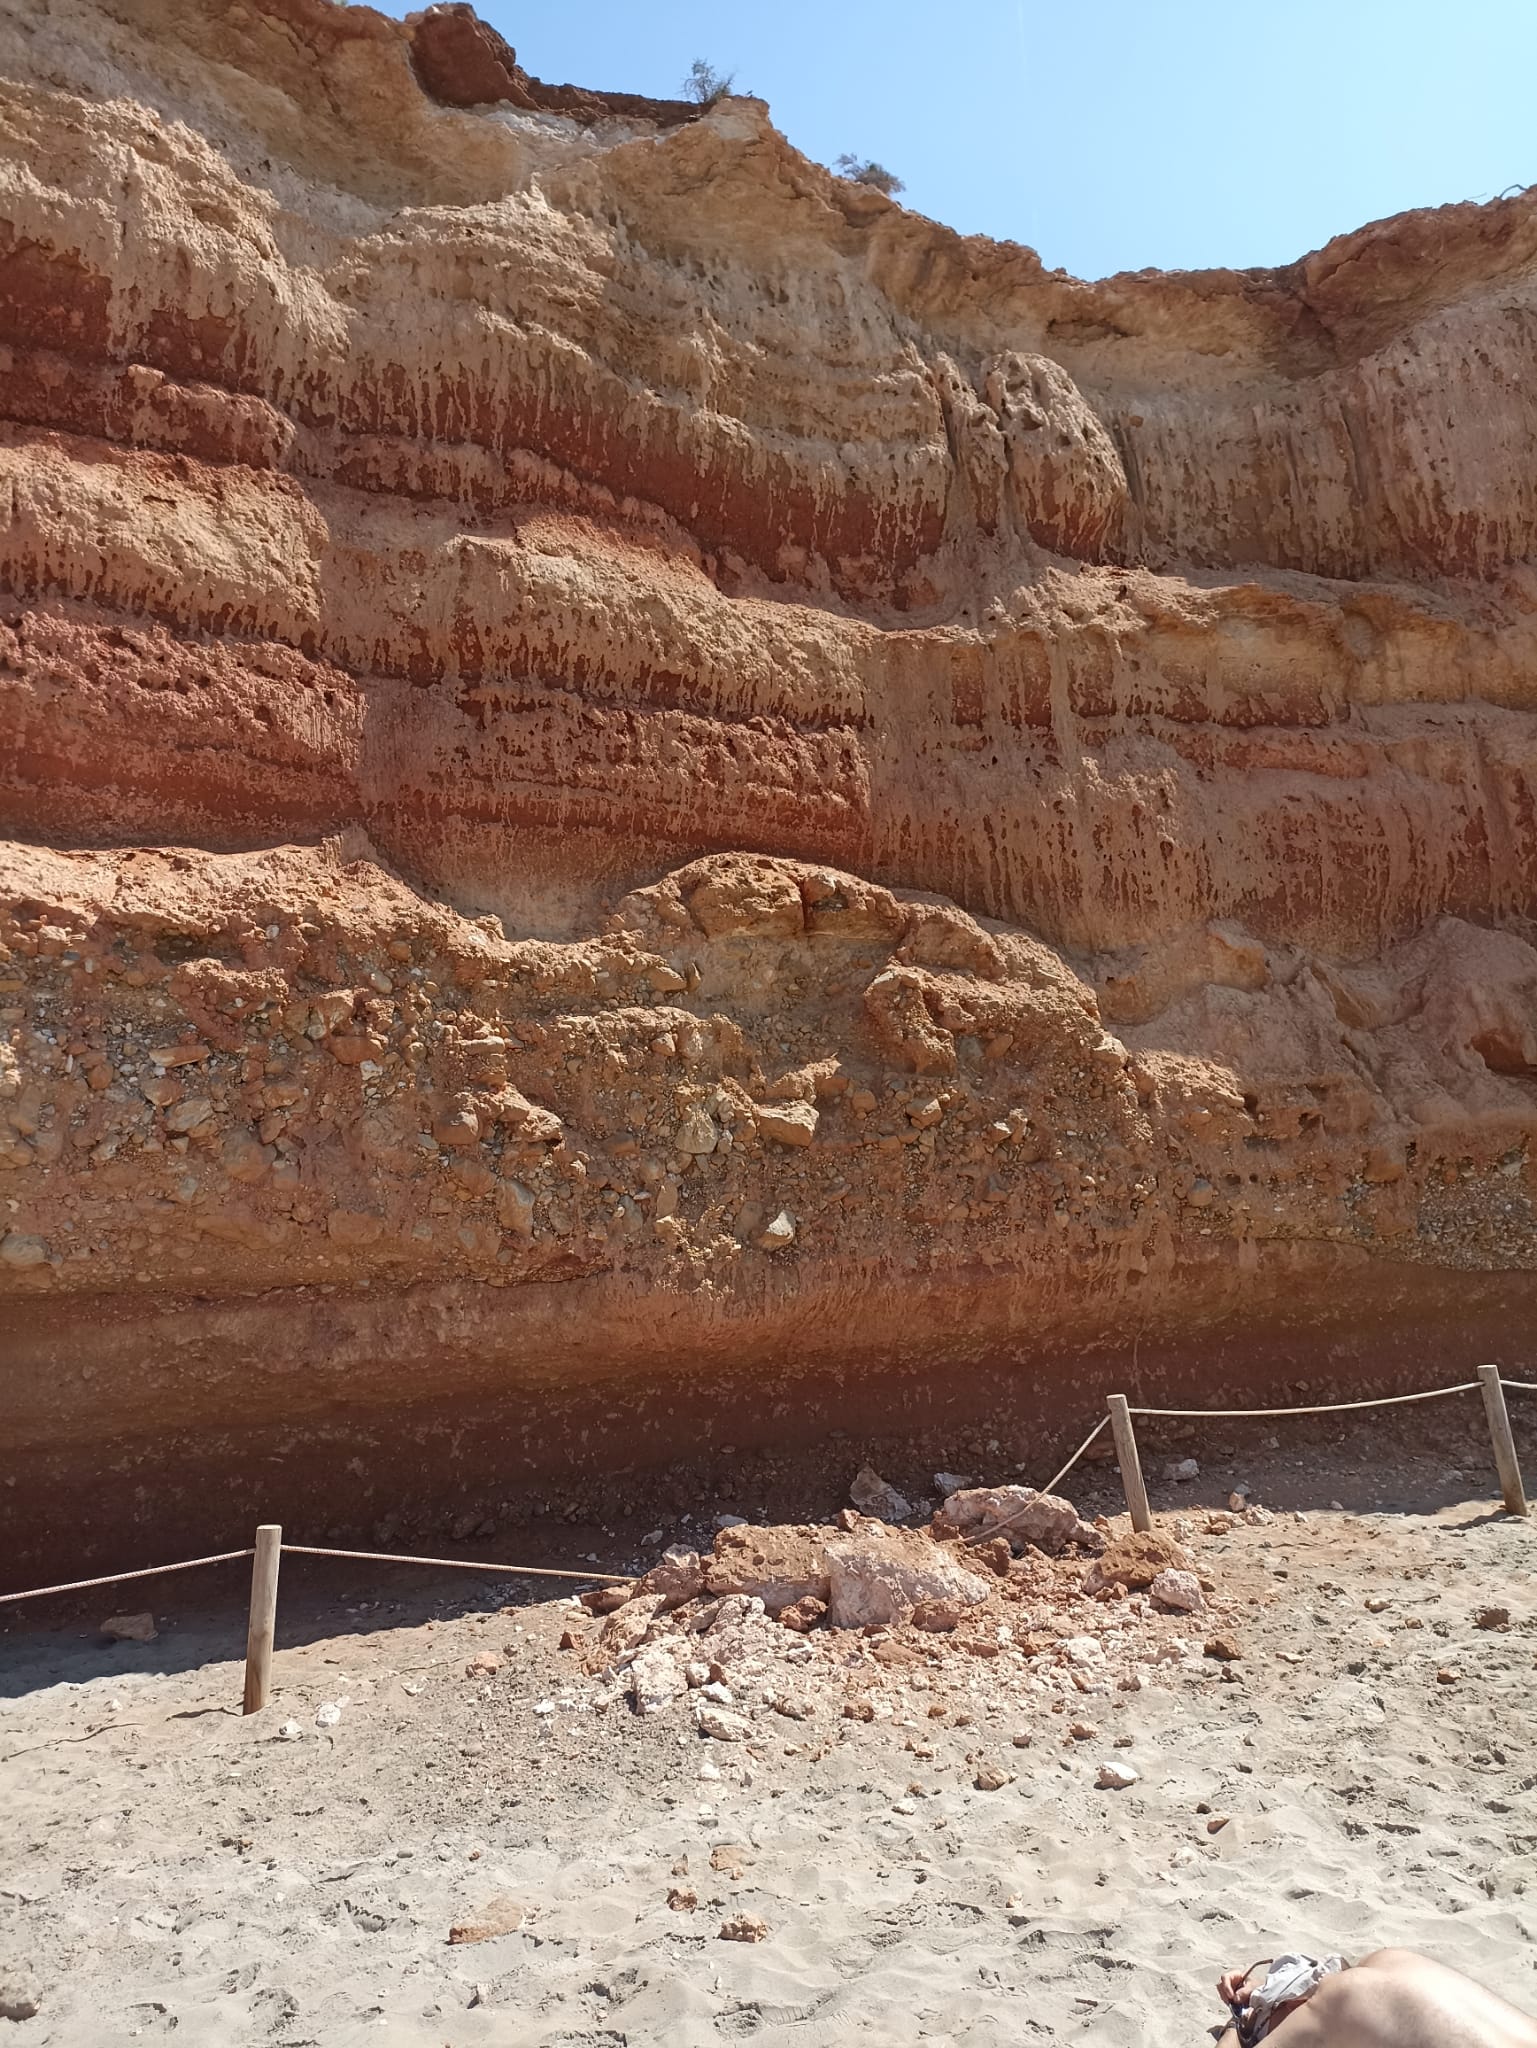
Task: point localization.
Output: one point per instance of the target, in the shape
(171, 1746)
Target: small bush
(704, 84)
(865, 171)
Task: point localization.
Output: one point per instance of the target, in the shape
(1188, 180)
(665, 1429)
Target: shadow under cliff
(408, 1418)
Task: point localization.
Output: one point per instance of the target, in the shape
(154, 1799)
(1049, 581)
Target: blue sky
(1174, 133)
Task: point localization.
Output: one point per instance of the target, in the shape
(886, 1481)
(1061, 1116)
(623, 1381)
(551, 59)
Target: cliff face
(645, 790)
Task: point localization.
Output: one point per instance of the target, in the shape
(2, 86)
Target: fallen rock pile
(1006, 1590)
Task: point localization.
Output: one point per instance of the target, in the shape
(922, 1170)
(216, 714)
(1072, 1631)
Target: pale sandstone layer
(573, 686)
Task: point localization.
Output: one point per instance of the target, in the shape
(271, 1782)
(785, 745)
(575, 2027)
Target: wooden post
(264, 1615)
(1130, 1463)
(1504, 1442)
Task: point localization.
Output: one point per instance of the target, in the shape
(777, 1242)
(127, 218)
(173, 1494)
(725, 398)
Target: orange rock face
(637, 780)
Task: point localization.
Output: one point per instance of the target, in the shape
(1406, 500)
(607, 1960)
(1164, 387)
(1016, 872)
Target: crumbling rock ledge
(462, 62)
(649, 797)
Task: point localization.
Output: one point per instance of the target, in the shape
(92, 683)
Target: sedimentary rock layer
(632, 770)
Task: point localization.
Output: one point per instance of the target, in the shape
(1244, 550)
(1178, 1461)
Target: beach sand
(169, 1866)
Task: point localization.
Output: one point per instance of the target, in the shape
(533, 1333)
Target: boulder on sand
(874, 1496)
(1020, 1513)
(1179, 1592)
(679, 1577)
(656, 1678)
(130, 1628)
(874, 1580)
(1134, 1562)
(780, 1567)
(626, 1630)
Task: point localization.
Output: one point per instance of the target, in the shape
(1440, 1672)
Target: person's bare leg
(1397, 1999)
(1444, 2004)
(1382, 2010)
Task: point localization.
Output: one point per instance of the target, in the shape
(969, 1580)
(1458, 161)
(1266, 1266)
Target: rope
(994, 1528)
(153, 1571)
(452, 1564)
(464, 1564)
(536, 1571)
(1325, 1408)
(1052, 1484)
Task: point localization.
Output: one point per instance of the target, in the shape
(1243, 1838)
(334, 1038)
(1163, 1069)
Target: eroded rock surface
(629, 766)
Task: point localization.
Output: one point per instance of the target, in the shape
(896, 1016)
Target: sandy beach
(946, 1870)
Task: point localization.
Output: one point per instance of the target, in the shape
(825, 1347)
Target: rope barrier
(269, 1545)
(451, 1564)
(463, 1564)
(1324, 1408)
(153, 1571)
(1053, 1483)
(1489, 1383)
